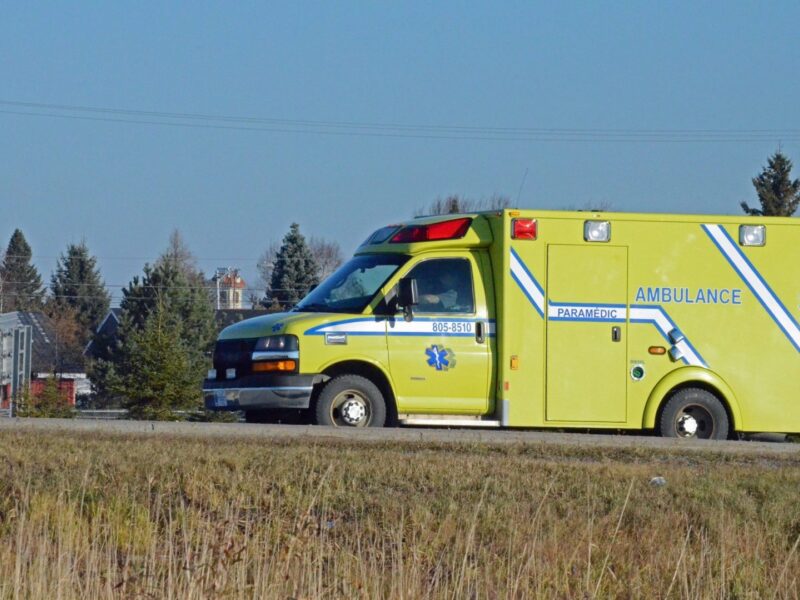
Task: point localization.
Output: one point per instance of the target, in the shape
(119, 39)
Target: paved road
(406, 434)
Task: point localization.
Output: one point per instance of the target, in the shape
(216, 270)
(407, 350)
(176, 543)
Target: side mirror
(407, 297)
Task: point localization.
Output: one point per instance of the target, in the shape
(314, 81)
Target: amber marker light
(274, 365)
(657, 350)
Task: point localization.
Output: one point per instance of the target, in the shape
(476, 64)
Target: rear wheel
(350, 401)
(694, 413)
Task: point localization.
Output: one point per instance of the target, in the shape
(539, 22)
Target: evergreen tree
(778, 194)
(20, 283)
(184, 311)
(295, 271)
(327, 254)
(77, 290)
(187, 302)
(154, 369)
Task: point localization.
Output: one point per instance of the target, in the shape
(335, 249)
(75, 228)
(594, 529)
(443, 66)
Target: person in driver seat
(447, 291)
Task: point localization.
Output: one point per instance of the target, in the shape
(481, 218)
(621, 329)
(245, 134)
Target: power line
(393, 130)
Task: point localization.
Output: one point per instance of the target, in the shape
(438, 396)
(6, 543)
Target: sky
(345, 117)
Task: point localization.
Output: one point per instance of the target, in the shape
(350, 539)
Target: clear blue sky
(729, 67)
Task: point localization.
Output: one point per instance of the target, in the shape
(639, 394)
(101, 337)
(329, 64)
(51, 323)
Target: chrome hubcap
(351, 409)
(694, 421)
(687, 426)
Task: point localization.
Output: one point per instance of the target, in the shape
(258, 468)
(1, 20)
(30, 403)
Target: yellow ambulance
(682, 324)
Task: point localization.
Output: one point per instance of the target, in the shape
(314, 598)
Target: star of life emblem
(437, 357)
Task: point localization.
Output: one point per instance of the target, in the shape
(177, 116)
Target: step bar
(446, 421)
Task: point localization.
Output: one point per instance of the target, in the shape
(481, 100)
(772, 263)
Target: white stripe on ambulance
(755, 282)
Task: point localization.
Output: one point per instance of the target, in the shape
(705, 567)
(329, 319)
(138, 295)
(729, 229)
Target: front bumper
(255, 392)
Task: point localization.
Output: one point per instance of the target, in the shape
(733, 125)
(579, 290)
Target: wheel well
(703, 386)
(368, 371)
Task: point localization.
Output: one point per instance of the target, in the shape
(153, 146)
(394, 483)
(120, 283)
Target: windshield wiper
(313, 307)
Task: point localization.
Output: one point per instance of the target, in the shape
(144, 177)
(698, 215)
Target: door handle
(480, 333)
(616, 334)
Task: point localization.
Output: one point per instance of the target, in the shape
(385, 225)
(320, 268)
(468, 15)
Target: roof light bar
(381, 235)
(444, 230)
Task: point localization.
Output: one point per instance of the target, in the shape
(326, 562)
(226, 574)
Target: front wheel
(694, 413)
(350, 401)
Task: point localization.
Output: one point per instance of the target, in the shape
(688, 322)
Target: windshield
(353, 285)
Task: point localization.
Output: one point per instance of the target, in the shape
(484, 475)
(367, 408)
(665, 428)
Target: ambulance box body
(686, 325)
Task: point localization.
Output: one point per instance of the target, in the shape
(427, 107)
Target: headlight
(277, 343)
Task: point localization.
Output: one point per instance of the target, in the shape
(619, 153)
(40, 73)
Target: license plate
(219, 399)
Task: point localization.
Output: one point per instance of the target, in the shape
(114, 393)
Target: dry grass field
(174, 517)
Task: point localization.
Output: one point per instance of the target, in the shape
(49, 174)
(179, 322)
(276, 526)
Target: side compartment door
(587, 333)
(441, 361)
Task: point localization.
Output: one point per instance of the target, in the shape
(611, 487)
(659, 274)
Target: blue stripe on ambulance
(419, 327)
(654, 315)
(757, 284)
(658, 317)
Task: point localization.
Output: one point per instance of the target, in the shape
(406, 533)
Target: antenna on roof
(521, 185)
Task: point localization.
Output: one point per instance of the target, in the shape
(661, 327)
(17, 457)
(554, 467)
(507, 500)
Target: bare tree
(266, 264)
(599, 206)
(454, 204)
(328, 255)
(178, 254)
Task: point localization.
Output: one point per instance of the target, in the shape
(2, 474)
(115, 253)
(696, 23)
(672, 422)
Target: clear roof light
(597, 231)
(752, 235)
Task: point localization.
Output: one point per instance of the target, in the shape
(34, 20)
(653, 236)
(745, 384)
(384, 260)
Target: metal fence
(104, 414)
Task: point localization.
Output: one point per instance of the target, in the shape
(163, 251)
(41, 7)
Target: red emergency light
(445, 230)
(524, 229)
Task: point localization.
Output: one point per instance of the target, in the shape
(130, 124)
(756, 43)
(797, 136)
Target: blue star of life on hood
(437, 357)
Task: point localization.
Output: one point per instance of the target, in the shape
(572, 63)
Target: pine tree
(327, 254)
(295, 271)
(778, 194)
(185, 312)
(77, 290)
(20, 283)
(154, 372)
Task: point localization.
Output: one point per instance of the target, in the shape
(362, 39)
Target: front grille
(234, 354)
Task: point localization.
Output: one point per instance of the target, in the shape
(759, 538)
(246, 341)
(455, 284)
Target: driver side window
(444, 285)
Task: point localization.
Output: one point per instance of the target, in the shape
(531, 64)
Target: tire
(694, 413)
(350, 401)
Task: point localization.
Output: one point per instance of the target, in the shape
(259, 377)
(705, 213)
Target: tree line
(155, 361)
